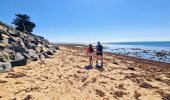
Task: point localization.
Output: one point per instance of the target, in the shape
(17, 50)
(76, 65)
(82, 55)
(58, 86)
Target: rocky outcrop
(19, 48)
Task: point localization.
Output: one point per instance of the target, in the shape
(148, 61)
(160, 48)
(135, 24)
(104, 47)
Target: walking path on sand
(63, 77)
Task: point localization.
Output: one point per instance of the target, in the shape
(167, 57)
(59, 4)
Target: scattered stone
(100, 93)
(28, 97)
(131, 68)
(78, 71)
(145, 85)
(119, 93)
(84, 79)
(137, 95)
(1, 81)
(16, 75)
(165, 96)
(94, 80)
(115, 63)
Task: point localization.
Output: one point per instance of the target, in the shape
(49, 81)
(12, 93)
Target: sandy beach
(63, 77)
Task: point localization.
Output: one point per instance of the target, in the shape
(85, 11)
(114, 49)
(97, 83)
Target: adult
(90, 54)
(99, 53)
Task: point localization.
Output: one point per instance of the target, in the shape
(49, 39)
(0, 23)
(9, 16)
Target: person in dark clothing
(99, 53)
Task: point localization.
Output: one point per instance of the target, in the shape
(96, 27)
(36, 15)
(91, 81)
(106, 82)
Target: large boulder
(38, 49)
(49, 52)
(17, 48)
(32, 53)
(5, 67)
(20, 62)
(26, 55)
(2, 46)
(45, 55)
(4, 56)
(42, 56)
(18, 56)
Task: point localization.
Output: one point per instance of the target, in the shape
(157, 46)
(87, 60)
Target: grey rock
(5, 40)
(17, 48)
(18, 56)
(26, 55)
(46, 55)
(21, 62)
(42, 56)
(49, 52)
(33, 55)
(4, 56)
(5, 67)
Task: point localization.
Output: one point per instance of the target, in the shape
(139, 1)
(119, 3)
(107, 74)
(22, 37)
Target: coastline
(64, 77)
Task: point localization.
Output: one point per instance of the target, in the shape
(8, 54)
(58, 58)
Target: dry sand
(63, 77)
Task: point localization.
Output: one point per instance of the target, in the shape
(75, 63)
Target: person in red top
(90, 54)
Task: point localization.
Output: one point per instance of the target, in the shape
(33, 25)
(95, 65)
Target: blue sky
(94, 20)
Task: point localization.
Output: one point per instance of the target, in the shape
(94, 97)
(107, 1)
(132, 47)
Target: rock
(21, 62)
(45, 54)
(1, 38)
(33, 54)
(5, 38)
(42, 56)
(21, 43)
(28, 97)
(131, 68)
(3, 45)
(26, 55)
(165, 96)
(18, 56)
(17, 48)
(160, 54)
(4, 56)
(49, 52)
(5, 67)
(115, 63)
(8, 50)
(20, 47)
(38, 49)
(100, 93)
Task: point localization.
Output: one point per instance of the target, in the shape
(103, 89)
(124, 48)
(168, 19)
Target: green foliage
(23, 23)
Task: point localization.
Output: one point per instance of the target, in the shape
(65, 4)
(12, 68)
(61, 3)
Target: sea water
(146, 50)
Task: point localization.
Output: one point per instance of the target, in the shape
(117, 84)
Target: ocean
(157, 51)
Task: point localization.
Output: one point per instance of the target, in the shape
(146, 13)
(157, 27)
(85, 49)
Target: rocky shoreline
(20, 48)
(155, 55)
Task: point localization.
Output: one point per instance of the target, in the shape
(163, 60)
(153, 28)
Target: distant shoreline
(137, 60)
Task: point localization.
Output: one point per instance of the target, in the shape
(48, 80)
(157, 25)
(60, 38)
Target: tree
(23, 23)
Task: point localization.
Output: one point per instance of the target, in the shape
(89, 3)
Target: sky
(89, 21)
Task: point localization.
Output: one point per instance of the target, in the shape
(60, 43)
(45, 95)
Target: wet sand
(63, 77)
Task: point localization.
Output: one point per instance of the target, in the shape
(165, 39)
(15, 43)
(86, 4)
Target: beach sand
(63, 77)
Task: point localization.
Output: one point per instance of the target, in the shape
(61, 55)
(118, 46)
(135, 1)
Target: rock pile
(18, 48)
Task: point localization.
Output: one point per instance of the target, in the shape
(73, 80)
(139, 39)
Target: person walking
(90, 54)
(99, 53)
